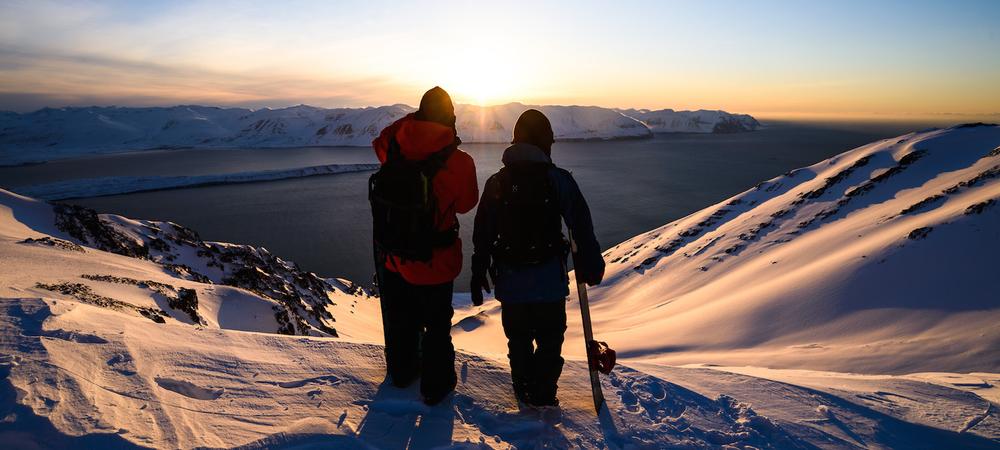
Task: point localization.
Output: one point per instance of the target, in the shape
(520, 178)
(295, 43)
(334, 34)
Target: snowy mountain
(496, 123)
(876, 261)
(700, 121)
(59, 133)
(121, 333)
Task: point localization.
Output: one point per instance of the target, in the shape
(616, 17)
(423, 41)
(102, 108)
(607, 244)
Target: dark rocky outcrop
(84, 294)
(49, 241)
(180, 299)
(302, 297)
(919, 233)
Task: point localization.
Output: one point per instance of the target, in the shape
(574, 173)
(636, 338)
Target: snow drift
(66, 132)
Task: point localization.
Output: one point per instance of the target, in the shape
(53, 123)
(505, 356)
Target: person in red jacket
(416, 294)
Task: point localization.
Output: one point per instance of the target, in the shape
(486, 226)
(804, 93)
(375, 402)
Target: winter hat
(534, 128)
(436, 106)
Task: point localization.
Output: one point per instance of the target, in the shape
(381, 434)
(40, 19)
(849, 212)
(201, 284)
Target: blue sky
(889, 58)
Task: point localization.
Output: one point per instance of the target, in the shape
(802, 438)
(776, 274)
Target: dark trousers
(417, 322)
(534, 341)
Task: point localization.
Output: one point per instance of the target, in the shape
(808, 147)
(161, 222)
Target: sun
(483, 85)
(480, 80)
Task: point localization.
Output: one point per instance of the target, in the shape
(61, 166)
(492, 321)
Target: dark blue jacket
(547, 281)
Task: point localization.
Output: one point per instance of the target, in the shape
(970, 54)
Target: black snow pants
(417, 322)
(534, 340)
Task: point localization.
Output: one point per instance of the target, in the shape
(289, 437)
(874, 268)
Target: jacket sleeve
(484, 230)
(589, 263)
(381, 143)
(468, 189)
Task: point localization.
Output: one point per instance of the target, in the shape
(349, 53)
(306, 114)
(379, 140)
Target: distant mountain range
(50, 133)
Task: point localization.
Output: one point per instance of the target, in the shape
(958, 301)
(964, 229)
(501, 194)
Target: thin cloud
(37, 79)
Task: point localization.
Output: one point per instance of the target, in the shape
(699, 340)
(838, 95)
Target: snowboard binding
(601, 357)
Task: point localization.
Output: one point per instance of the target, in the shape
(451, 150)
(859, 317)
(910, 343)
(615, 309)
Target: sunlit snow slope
(880, 260)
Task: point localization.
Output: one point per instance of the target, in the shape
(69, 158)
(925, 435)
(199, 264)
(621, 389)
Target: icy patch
(96, 187)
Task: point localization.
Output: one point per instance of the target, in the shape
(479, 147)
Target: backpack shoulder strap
(394, 152)
(438, 159)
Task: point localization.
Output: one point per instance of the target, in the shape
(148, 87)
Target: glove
(479, 283)
(592, 279)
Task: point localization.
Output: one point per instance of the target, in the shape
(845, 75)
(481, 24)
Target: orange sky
(851, 59)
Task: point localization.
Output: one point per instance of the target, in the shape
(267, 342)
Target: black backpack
(529, 223)
(404, 209)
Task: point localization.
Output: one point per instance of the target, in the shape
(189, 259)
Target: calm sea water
(323, 223)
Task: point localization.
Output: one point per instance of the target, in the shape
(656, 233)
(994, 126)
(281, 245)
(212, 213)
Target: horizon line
(805, 115)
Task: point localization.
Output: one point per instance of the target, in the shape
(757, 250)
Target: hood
(417, 139)
(524, 153)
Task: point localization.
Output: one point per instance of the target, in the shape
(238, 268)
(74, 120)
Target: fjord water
(323, 223)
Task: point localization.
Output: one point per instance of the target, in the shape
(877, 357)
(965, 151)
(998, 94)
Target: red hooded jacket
(455, 188)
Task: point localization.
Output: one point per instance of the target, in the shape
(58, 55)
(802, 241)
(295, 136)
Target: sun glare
(483, 78)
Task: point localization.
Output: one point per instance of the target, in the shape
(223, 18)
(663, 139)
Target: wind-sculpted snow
(96, 187)
(50, 134)
(77, 376)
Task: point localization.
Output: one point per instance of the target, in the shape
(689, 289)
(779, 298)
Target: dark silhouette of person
(519, 243)
(416, 294)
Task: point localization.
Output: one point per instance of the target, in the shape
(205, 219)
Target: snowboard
(588, 336)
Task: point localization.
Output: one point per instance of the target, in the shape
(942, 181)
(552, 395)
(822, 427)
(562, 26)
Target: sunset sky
(834, 58)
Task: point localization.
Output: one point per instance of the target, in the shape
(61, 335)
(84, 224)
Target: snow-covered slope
(87, 377)
(700, 121)
(496, 123)
(879, 260)
(162, 272)
(59, 133)
(118, 333)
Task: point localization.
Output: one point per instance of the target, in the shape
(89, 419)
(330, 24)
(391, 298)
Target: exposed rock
(922, 204)
(919, 233)
(187, 273)
(84, 294)
(303, 296)
(830, 181)
(978, 208)
(181, 299)
(84, 225)
(54, 243)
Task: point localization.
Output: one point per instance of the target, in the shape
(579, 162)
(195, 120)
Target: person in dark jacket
(416, 295)
(533, 294)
